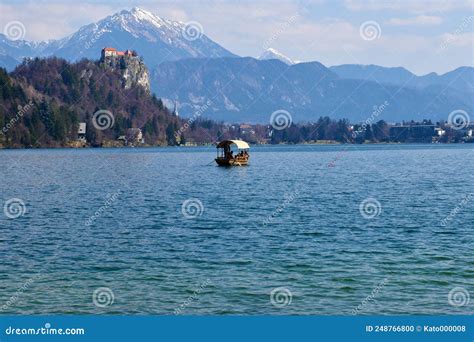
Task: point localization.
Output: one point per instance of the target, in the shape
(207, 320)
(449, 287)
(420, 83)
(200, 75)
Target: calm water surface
(114, 218)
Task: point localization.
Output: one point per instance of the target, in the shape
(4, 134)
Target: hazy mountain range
(247, 89)
(461, 78)
(188, 67)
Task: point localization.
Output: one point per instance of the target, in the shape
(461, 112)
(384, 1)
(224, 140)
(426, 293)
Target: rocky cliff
(132, 68)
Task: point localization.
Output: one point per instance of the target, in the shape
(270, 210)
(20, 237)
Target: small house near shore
(81, 132)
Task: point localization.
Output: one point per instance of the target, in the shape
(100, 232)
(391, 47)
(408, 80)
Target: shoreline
(213, 145)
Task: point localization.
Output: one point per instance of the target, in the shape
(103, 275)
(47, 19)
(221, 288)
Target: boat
(226, 156)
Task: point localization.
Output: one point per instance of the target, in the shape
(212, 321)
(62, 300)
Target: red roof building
(109, 51)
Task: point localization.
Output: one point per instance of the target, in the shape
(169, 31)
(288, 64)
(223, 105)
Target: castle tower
(175, 110)
(108, 51)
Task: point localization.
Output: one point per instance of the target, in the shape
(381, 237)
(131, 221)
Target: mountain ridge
(156, 39)
(249, 90)
(172, 51)
(402, 77)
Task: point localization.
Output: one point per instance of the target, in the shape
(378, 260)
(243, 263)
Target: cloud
(459, 40)
(421, 20)
(412, 6)
(54, 21)
(242, 27)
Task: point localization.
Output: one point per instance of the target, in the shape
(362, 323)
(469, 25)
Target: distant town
(325, 131)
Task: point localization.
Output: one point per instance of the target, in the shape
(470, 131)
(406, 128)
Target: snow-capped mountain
(271, 53)
(18, 49)
(154, 38)
(190, 69)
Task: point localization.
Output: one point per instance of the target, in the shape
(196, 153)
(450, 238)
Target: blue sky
(423, 36)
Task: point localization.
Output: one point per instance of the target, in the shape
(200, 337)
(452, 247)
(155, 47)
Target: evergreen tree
(170, 134)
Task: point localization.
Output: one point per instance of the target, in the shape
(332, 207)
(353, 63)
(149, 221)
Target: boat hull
(232, 162)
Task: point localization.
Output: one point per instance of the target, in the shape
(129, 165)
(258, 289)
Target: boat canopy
(239, 143)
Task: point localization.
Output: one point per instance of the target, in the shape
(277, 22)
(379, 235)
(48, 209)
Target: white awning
(239, 143)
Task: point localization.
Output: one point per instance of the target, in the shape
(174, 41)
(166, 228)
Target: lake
(322, 230)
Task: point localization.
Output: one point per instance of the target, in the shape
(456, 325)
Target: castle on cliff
(112, 52)
(131, 67)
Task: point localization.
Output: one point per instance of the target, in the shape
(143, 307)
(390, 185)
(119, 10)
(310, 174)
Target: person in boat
(230, 156)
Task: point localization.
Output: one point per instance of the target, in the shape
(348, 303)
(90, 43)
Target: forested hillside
(43, 101)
